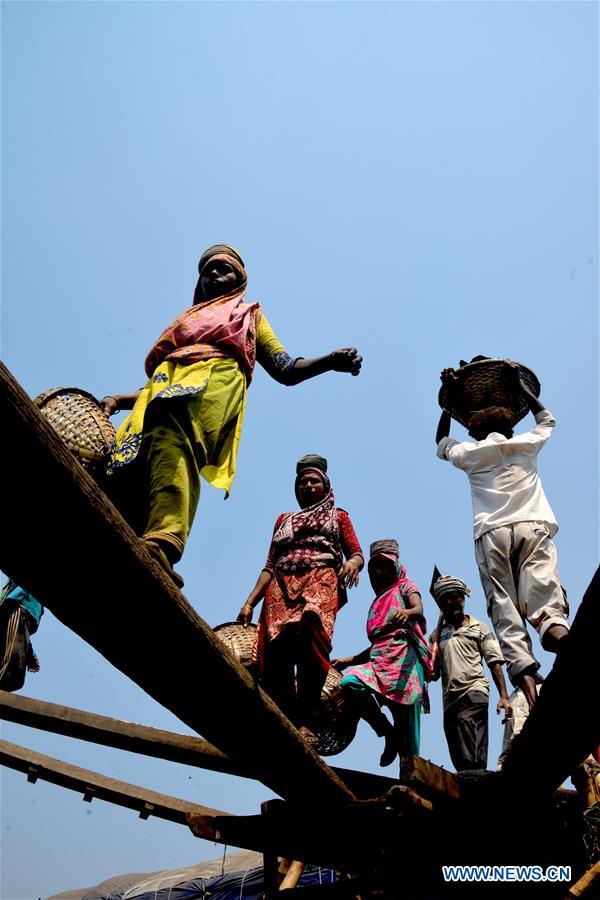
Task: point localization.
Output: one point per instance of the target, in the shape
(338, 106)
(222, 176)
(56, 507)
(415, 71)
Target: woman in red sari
(304, 585)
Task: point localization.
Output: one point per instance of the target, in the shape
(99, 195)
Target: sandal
(157, 553)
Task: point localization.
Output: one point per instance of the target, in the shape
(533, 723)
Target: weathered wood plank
(589, 881)
(181, 748)
(93, 786)
(110, 732)
(144, 626)
(341, 841)
(428, 778)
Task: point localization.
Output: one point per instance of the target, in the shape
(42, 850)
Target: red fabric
(220, 328)
(309, 538)
(348, 540)
(350, 544)
(290, 596)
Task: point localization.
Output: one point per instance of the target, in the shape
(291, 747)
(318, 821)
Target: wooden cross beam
(157, 742)
(93, 786)
(345, 838)
(62, 531)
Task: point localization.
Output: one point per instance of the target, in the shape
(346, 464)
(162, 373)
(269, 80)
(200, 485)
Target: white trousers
(519, 574)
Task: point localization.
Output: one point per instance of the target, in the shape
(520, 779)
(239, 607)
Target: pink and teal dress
(399, 662)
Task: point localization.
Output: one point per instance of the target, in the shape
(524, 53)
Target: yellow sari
(187, 424)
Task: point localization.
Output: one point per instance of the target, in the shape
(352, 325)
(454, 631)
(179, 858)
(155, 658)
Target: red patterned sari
(306, 554)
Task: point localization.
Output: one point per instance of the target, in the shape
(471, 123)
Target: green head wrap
(312, 461)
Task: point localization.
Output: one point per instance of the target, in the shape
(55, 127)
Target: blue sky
(416, 179)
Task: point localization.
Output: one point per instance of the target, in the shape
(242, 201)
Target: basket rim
(227, 624)
(43, 398)
(455, 408)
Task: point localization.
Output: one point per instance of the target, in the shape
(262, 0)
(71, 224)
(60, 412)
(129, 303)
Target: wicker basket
(78, 419)
(335, 725)
(483, 384)
(238, 640)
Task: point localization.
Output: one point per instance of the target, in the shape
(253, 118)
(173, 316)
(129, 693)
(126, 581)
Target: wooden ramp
(69, 546)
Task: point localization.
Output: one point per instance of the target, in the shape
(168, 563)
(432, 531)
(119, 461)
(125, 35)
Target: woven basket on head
(78, 419)
(483, 384)
(335, 725)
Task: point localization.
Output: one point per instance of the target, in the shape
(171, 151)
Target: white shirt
(505, 484)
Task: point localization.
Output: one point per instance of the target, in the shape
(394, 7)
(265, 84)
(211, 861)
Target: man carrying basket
(513, 526)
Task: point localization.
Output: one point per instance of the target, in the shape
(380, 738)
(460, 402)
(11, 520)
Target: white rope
(242, 884)
(11, 636)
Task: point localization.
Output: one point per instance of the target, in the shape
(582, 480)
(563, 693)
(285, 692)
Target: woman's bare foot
(309, 736)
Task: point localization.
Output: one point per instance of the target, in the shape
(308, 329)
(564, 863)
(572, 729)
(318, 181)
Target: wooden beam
(63, 531)
(157, 742)
(365, 784)
(110, 732)
(94, 786)
(249, 832)
(544, 754)
(588, 881)
(429, 779)
(343, 840)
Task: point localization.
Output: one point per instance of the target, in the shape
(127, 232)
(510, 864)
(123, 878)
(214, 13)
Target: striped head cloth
(446, 584)
(388, 546)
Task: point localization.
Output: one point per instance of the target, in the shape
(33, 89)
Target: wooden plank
(343, 839)
(157, 742)
(95, 786)
(544, 754)
(326, 843)
(586, 883)
(365, 784)
(428, 778)
(142, 624)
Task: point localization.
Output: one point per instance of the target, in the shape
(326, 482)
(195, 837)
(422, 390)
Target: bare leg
(367, 708)
(554, 636)
(527, 684)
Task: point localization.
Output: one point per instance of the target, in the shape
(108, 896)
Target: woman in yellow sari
(186, 422)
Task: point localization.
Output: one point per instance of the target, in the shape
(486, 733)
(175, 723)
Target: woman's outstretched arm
(342, 662)
(345, 360)
(273, 357)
